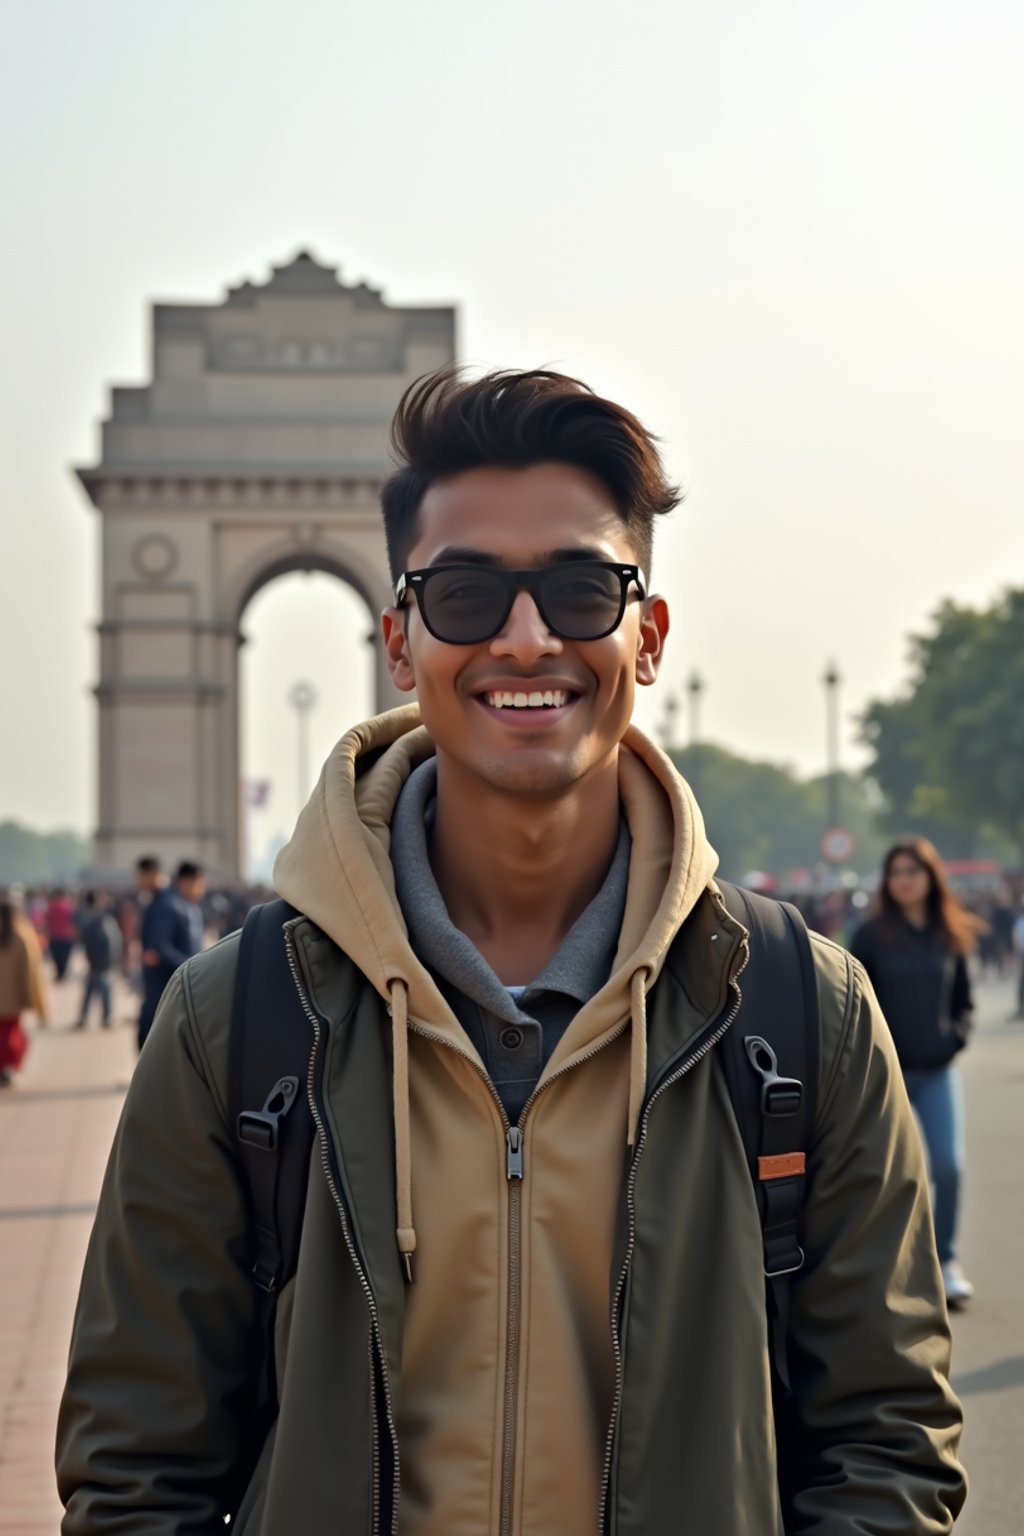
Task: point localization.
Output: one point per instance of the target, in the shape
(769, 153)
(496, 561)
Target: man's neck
(516, 873)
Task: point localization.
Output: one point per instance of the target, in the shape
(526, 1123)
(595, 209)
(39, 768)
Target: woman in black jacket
(914, 950)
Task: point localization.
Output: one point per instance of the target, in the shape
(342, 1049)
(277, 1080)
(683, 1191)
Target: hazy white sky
(790, 236)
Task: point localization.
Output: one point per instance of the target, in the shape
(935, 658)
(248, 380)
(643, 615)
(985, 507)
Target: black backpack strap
(268, 1058)
(771, 1059)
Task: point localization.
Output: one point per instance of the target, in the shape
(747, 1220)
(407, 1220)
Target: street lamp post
(302, 696)
(695, 687)
(832, 682)
(667, 729)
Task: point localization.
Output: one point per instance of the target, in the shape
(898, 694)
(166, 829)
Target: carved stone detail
(155, 556)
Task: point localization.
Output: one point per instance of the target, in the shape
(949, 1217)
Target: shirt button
(511, 1039)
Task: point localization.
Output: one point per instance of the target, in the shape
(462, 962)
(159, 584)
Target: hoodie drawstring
(406, 1232)
(637, 1052)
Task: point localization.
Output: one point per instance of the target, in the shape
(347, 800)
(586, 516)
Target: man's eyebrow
(454, 554)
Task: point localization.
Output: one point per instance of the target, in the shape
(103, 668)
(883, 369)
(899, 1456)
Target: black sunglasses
(468, 604)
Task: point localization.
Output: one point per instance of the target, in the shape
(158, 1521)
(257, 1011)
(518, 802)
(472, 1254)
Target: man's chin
(531, 774)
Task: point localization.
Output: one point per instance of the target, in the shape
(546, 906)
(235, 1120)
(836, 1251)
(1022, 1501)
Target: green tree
(40, 858)
(762, 816)
(949, 754)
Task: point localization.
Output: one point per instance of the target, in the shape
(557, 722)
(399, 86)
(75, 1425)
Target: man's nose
(525, 634)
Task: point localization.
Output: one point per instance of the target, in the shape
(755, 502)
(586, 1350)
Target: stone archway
(258, 448)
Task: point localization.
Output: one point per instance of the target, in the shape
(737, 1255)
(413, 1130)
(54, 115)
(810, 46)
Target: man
(101, 945)
(1018, 949)
(530, 1292)
(172, 929)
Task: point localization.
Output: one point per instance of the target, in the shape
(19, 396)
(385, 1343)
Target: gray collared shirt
(514, 1035)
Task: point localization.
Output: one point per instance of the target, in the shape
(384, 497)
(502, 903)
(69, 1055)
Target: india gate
(258, 448)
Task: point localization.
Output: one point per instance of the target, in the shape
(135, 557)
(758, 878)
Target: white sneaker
(957, 1286)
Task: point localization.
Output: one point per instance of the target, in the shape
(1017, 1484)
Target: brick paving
(55, 1131)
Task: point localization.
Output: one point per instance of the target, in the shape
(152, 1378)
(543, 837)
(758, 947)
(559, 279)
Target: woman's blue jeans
(937, 1096)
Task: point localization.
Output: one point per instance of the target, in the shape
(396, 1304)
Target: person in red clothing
(60, 926)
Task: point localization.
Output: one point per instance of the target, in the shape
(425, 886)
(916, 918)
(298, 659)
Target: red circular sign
(837, 845)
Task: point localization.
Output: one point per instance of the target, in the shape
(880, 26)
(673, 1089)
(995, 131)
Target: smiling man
(529, 1294)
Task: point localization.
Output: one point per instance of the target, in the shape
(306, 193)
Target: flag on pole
(258, 793)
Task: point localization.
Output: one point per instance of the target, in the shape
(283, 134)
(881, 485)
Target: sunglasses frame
(515, 582)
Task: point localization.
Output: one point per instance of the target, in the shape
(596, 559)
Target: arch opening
(306, 674)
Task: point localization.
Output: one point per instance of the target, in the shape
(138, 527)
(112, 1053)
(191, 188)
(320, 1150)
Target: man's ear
(396, 649)
(654, 623)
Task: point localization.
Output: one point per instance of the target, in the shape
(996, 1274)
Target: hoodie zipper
(514, 1173)
(706, 1043)
(332, 1184)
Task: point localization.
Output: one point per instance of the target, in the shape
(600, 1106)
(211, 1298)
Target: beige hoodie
(507, 1370)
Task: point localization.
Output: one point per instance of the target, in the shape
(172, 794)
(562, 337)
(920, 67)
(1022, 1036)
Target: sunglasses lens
(464, 607)
(582, 602)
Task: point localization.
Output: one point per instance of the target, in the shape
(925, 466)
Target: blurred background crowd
(80, 931)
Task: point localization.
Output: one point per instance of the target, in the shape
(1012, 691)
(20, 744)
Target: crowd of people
(143, 932)
(139, 934)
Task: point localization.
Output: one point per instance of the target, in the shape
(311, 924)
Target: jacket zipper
(374, 1439)
(514, 1172)
(332, 1184)
(697, 1054)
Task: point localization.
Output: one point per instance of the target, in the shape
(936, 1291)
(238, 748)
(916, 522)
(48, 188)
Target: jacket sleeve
(115, 940)
(151, 1436)
(862, 948)
(879, 1425)
(961, 1005)
(166, 935)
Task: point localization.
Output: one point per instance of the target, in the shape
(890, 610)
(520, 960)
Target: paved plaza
(55, 1130)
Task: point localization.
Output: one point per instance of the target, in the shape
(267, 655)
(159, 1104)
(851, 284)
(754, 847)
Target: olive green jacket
(156, 1432)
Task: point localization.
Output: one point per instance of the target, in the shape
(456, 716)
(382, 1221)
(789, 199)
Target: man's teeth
(553, 698)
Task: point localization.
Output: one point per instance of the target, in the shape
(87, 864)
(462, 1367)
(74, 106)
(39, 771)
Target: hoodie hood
(337, 870)
(337, 867)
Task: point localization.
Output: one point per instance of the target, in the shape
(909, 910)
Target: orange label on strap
(782, 1167)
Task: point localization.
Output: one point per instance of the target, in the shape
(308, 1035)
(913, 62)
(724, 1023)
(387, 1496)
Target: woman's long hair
(958, 927)
(6, 922)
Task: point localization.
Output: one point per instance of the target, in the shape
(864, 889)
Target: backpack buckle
(780, 1096)
(791, 1265)
(258, 1128)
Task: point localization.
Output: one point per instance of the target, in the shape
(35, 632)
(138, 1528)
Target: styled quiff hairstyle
(446, 423)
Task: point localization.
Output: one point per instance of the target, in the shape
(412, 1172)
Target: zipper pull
(514, 1159)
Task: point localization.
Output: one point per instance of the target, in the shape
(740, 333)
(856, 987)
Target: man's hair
(446, 424)
(187, 870)
(149, 864)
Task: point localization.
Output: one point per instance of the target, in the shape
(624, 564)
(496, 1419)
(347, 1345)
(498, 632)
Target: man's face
(193, 888)
(525, 519)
